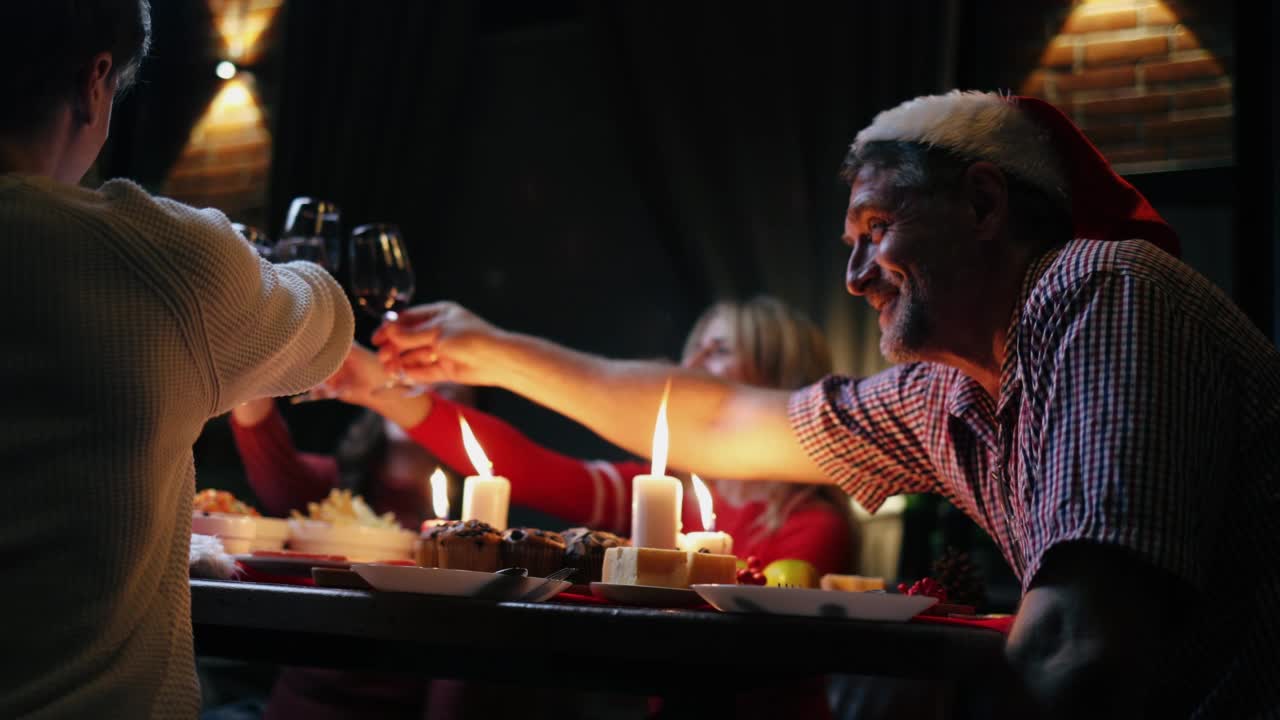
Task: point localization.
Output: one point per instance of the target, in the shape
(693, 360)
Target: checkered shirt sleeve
(869, 434)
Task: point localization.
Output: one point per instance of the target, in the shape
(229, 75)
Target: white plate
(457, 583)
(646, 595)
(291, 565)
(814, 603)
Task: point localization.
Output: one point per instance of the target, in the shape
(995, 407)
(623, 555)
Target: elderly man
(1098, 407)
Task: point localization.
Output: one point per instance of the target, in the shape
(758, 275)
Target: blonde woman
(761, 341)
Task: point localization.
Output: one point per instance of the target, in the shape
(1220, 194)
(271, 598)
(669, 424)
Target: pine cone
(957, 573)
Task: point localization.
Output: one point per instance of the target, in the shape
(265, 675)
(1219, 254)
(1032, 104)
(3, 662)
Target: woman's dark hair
(46, 47)
(362, 448)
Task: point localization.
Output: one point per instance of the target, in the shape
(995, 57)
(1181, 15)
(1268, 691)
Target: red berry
(753, 561)
(925, 586)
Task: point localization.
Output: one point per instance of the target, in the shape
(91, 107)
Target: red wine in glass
(382, 280)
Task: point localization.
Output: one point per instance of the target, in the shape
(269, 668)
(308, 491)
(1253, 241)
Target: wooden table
(608, 647)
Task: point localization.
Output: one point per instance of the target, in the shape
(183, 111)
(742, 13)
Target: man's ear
(987, 192)
(94, 91)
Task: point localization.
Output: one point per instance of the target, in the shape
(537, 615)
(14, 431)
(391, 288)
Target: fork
(561, 574)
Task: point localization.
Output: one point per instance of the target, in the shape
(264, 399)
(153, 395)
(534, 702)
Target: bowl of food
(234, 522)
(342, 524)
(237, 532)
(272, 533)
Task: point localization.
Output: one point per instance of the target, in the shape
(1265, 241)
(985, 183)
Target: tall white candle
(657, 498)
(655, 511)
(485, 496)
(486, 499)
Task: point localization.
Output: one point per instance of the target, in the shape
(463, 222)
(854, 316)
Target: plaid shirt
(1138, 407)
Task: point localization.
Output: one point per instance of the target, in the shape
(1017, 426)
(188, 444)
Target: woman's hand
(440, 342)
(361, 380)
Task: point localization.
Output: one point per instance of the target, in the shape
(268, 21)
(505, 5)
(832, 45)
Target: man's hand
(440, 342)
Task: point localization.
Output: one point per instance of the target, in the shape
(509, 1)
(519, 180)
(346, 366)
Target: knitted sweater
(128, 322)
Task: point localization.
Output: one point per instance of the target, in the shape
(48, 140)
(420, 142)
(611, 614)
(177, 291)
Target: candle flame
(440, 494)
(704, 503)
(660, 436)
(483, 467)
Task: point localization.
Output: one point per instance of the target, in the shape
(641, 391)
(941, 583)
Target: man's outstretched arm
(718, 428)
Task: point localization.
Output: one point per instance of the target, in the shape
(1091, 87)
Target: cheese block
(851, 583)
(710, 568)
(646, 566)
(667, 568)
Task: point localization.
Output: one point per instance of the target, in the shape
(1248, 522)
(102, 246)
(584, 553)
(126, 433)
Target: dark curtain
(737, 116)
(365, 108)
(368, 108)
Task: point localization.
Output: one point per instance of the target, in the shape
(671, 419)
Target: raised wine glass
(381, 276)
(312, 231)
(257, 238)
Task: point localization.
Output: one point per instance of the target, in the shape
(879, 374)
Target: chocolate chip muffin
(427, 549)
(584, 550)
(470, 545)
(539, 551)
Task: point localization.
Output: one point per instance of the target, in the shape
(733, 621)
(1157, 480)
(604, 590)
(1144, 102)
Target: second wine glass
(381, 276)
(312, 231)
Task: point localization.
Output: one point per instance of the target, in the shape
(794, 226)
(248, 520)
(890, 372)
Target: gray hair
(923, 172)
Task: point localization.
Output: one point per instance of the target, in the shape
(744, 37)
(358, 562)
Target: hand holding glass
(382, 280)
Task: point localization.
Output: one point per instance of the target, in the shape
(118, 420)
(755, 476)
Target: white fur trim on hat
(979, 126)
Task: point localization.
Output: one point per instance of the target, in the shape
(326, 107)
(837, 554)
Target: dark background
(597, 173)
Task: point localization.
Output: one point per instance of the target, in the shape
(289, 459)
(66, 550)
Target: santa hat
(1016, 134)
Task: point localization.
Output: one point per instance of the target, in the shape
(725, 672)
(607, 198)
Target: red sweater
(597, 493)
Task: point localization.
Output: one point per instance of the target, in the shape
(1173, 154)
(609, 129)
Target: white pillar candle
(486, 499)
(708, 539)
(656, 501)
(719, 543)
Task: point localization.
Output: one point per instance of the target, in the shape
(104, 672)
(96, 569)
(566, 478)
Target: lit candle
(656, 498)
(709, 539)
(439, 500)
(485, 497)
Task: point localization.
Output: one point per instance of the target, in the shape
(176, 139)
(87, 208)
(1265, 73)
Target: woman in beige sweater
(128, 322)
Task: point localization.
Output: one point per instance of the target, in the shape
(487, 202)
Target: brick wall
(226, 161)
(1150, 82)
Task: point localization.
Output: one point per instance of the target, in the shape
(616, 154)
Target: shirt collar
(1010, 380)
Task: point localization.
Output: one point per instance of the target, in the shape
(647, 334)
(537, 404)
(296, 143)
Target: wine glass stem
(388, 317)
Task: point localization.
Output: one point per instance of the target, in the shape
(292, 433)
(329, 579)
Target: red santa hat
(1035, 142)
